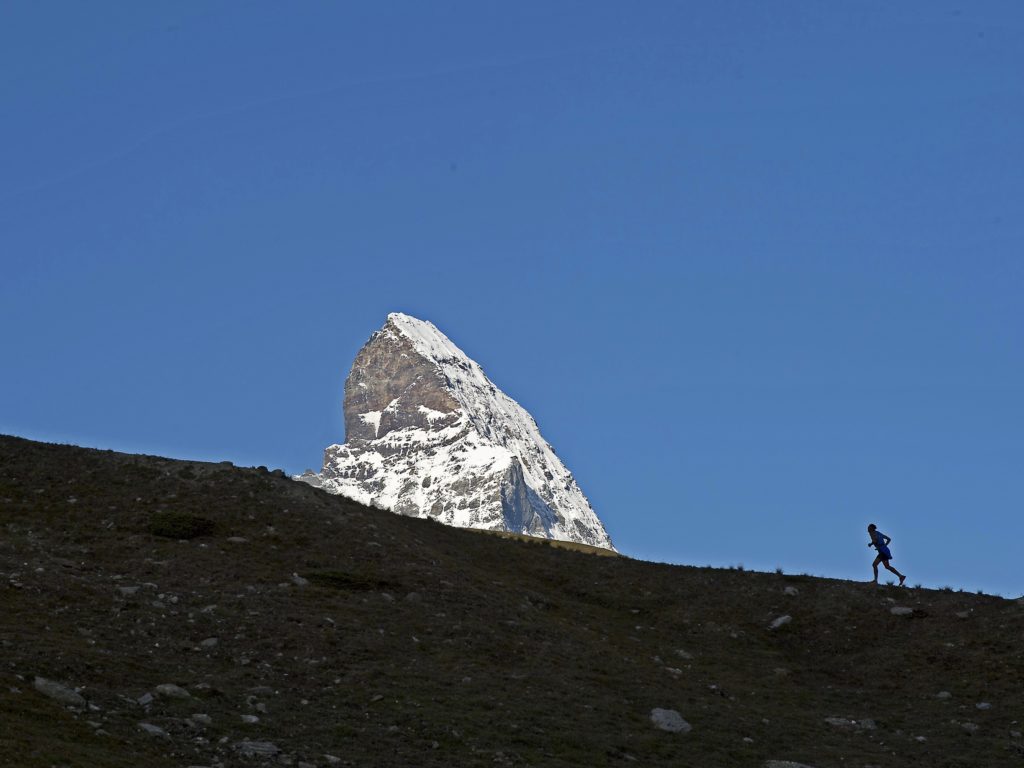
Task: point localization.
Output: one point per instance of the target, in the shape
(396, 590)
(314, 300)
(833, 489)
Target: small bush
(180, 525)
(778, 571)
(351, 582)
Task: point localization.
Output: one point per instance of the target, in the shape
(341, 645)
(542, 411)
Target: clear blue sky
(756, 268)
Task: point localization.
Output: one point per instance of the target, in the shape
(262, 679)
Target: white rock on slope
(59, 692)
(429, 435)
(669, 720)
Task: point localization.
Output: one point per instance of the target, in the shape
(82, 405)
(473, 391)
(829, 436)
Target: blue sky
(756, 269)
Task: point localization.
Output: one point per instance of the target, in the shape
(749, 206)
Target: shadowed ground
(382, 640)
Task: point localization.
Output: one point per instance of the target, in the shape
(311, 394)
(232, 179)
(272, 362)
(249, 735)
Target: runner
(881, 543)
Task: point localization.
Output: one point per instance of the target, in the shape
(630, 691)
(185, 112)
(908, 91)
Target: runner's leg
(890, 568)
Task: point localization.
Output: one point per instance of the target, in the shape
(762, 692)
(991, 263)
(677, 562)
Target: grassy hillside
(358, 637)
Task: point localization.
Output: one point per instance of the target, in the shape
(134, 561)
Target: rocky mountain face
(429, 435)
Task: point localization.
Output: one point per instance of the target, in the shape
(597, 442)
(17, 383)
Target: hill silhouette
(173, 613)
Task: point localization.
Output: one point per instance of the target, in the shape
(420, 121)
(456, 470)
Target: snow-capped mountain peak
(429, 435)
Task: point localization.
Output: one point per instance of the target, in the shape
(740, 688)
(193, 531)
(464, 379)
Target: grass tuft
(180, 525)
(350, 582)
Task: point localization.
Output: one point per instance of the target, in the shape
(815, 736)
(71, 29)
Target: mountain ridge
(429, 435)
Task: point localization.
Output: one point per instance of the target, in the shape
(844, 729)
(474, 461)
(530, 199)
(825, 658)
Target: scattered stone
(785, 764)
(970, 727)
(237, 539)
(256, 748)
(145, 699)
(1015, 734)
(154, 730)
(867, 724)
(299, 581)
(413, 597)
(172, 691)
(791, 591)
(901, 611)
(250, 719)
(202, 719)
(669, 720)
(781, 621)
(983, 705)
(210, 642)
(58, 692)
(943, 695)
(963, 614)
(921, 739)
(332, 760)
(127, 591)
(683, 654)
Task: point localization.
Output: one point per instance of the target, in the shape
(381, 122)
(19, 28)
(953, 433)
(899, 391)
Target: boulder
(669, 720)
(58, 692)
(172, 691)
(256, 748)
(154, 730)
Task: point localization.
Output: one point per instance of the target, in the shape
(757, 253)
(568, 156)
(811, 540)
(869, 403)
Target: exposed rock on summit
(429, 435)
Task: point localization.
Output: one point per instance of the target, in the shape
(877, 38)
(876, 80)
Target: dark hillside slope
(350, 636)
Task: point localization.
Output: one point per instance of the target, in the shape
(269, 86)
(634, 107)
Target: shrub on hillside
(180, 525)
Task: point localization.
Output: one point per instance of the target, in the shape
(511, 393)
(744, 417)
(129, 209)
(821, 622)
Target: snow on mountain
(429, 435)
